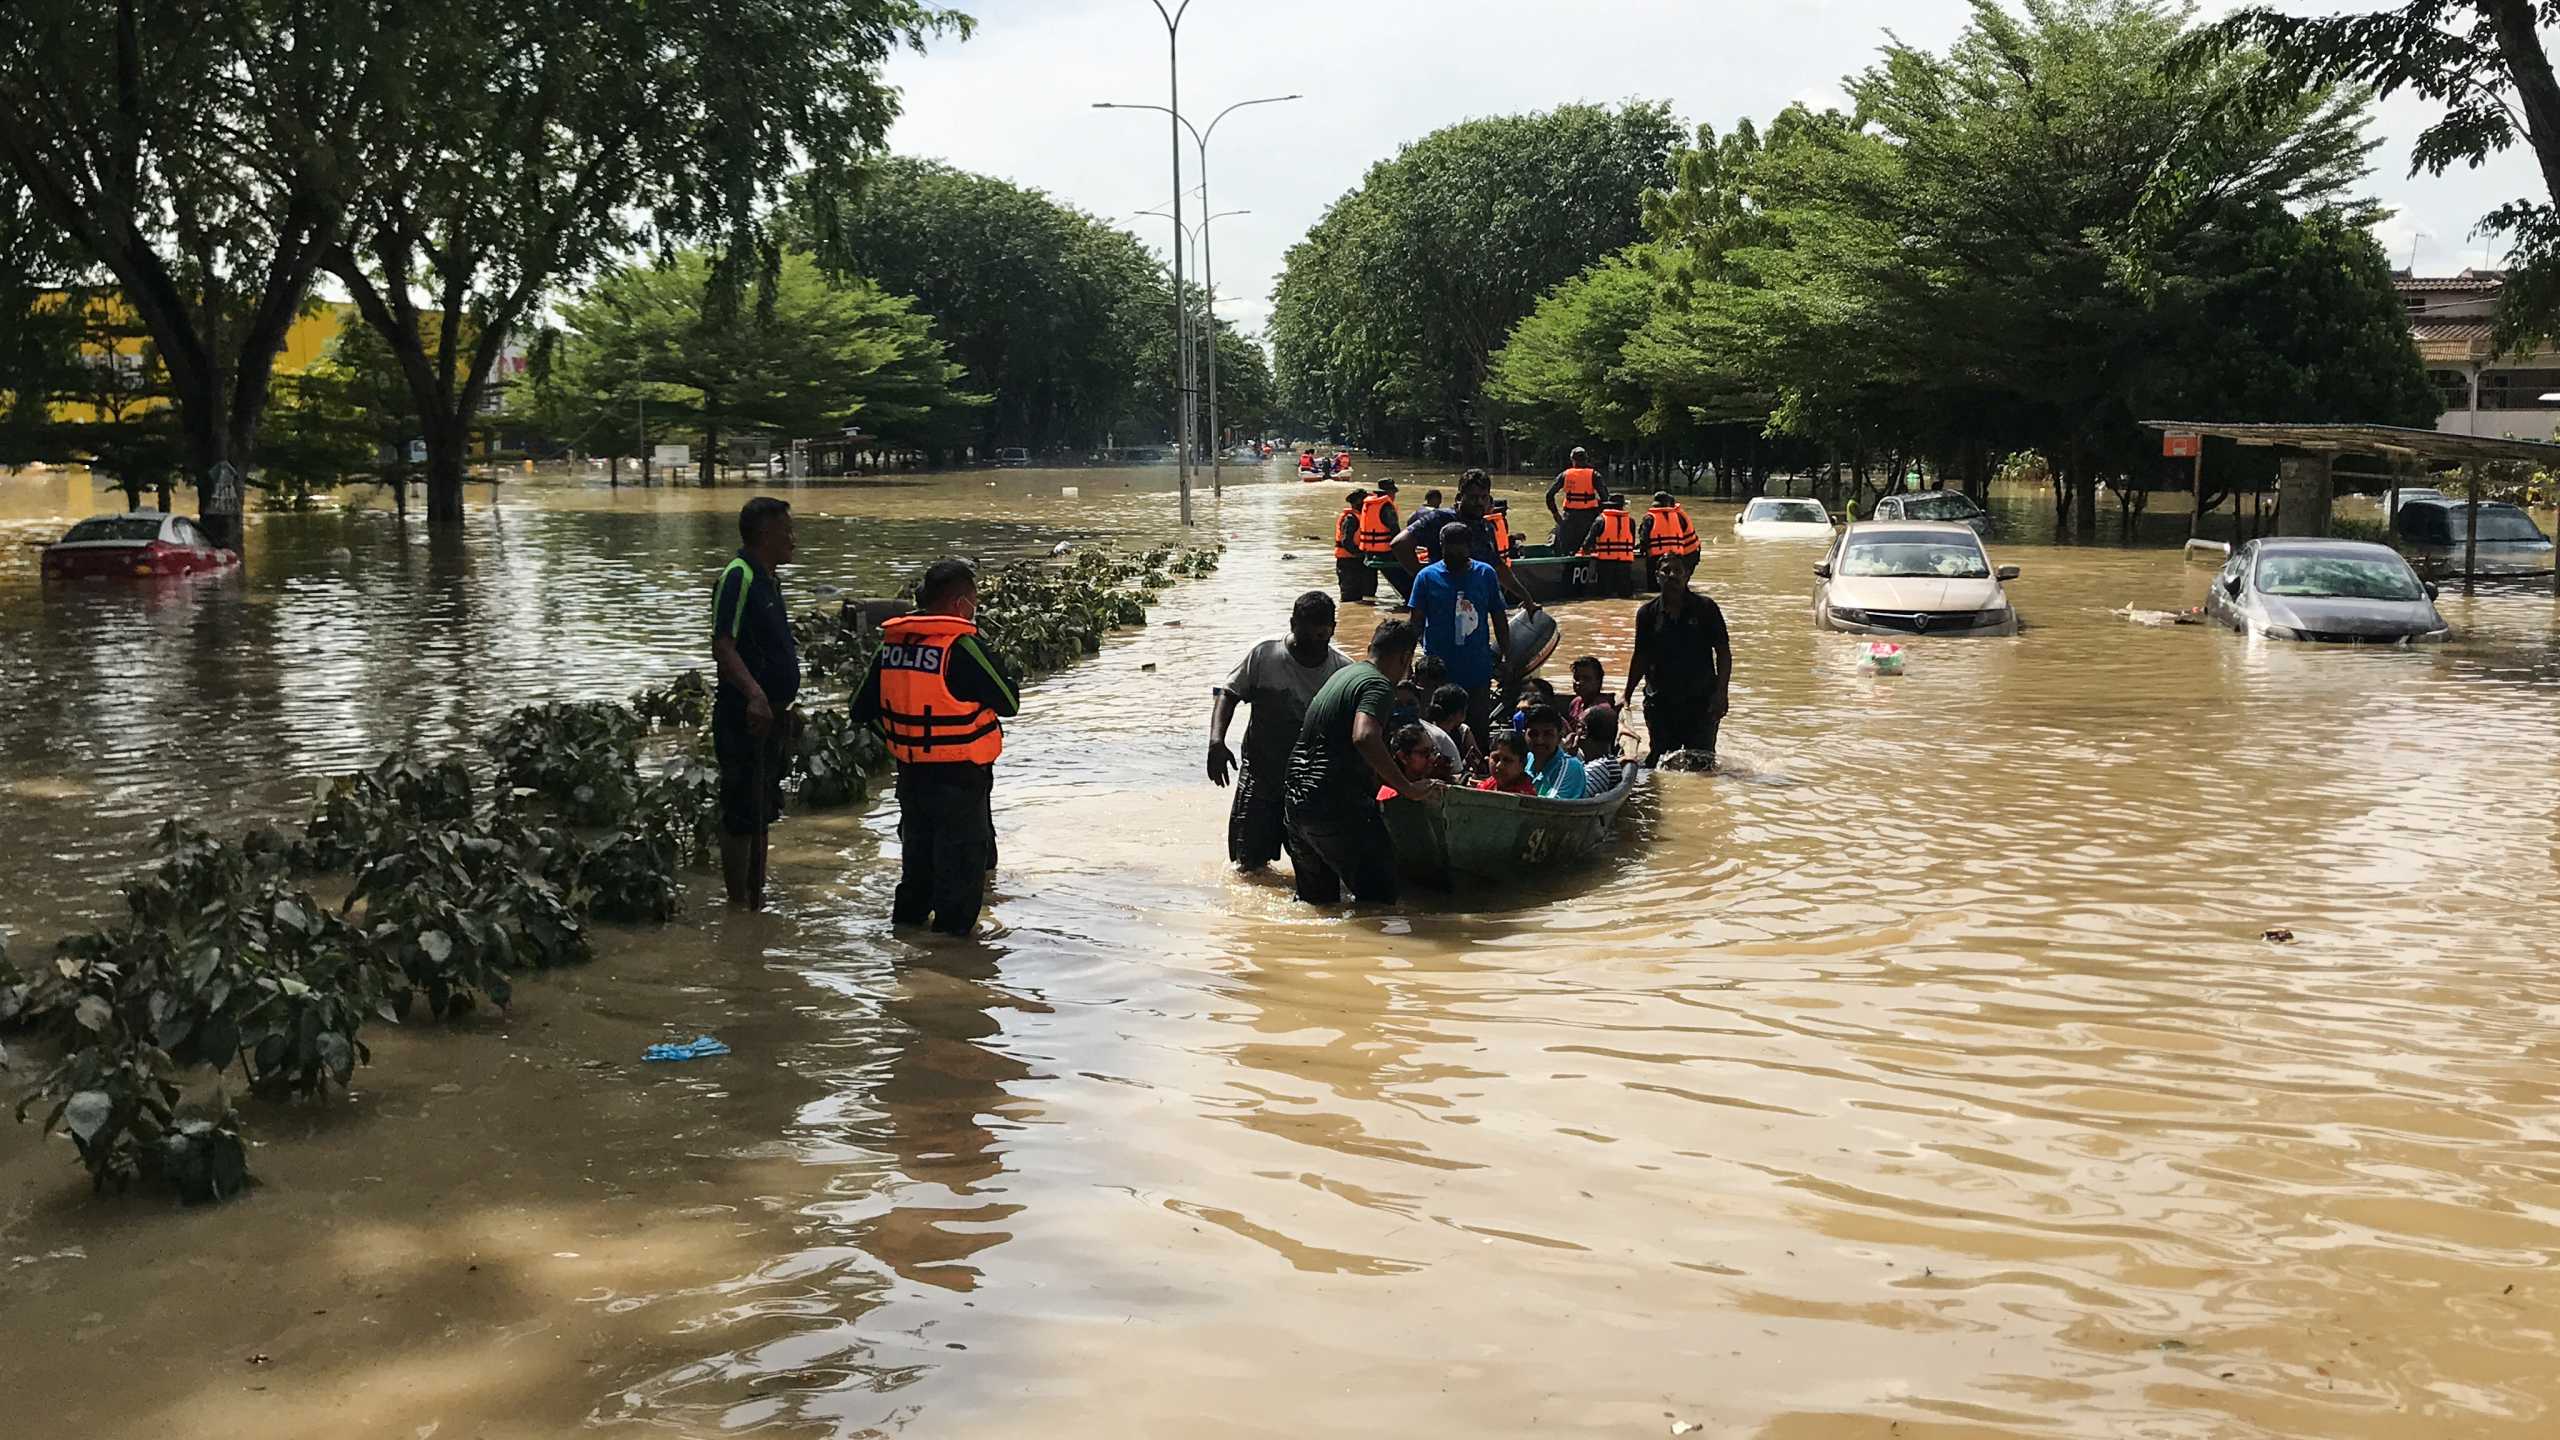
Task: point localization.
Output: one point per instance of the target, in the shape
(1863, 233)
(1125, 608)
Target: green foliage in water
(683, 701)
(222, 960)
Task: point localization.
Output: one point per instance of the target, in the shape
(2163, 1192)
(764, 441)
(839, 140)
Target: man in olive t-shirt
(1336, 834)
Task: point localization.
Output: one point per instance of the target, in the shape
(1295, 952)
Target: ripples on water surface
(1927, 1071)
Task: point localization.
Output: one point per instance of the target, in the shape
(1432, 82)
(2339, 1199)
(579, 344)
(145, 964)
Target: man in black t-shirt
(758, 663)
(1683, 649)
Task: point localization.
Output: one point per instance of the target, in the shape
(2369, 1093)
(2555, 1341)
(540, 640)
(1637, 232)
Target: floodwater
(1925, 1075)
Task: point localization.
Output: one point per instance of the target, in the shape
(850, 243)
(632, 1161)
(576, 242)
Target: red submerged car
(138, 542)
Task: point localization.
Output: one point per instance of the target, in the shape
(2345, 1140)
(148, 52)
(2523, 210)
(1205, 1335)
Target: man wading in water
(1277, 678)
(940, 700)
(1682, 647)
(758, 663)
(1336, 835)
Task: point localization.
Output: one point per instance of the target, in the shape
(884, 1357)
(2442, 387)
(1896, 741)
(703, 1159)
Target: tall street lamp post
(1217, 438)
(1198, 235)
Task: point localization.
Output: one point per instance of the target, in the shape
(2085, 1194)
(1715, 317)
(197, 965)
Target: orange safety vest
(1672, 534)
(1582, 488)
(1376, 537)
(1613, 538)
(1344, 522)
(1503, 544)
(927, 724)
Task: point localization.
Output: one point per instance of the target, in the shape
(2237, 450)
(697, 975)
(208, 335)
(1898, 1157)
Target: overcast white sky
(1015, 100)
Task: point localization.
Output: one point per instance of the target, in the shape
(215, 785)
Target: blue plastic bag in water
(699, 1048)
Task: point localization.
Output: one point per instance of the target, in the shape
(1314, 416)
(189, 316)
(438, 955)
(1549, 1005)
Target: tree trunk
(710, 450)
(2085, 504)
(448, 466)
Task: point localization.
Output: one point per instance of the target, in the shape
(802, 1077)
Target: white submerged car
(1773, 518)
(1909, 577)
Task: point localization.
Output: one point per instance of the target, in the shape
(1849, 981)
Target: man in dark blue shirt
(758, 662)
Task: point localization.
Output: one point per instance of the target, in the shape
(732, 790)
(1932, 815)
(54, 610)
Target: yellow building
(121, 342)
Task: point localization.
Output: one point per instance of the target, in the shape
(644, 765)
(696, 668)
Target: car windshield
(2503, 523)
(136, 529)
(2338, 577)
(1912, 556)
(1793, 512)
(1939, 507)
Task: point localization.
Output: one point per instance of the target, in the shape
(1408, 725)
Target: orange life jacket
(1582, 488)
(1344, 524)
(1503, 544)
(1672, 534)
(1376, 537)
(1613, 537)
(927, 724)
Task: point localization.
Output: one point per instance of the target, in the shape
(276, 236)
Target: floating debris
(2278, 934)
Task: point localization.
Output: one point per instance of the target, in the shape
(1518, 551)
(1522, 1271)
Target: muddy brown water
(1924, 1075)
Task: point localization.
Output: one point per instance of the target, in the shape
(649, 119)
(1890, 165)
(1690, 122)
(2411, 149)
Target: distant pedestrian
(758, 662)
(940, 700)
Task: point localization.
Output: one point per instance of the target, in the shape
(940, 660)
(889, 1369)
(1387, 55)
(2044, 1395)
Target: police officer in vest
(1612, 548)
(1580, 486)
(1352, 577)
(939, 698)
(1376, 535)
(758, 662)
(1665, 530)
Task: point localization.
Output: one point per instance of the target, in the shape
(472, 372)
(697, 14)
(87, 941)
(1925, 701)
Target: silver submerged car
(2339, 591)
(1952, 505)
(1886, 577)
(2435, 531)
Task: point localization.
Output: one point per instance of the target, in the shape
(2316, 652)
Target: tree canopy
(1387, 316)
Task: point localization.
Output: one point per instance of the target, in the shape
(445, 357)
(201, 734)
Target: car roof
(2321, 544)
(1907, 527)
(126, 515)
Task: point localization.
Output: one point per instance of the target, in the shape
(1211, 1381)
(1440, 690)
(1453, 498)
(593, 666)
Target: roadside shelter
(2306, 485)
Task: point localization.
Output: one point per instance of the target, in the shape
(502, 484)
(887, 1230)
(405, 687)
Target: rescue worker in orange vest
(940, 699)
(1505, 544)
(1612, 548)
(1665, 530)
(1377, 533)
(1580, 486)
(1352, 577)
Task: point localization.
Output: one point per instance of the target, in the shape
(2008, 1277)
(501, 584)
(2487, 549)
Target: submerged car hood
(1860, 592)
(2351, 617)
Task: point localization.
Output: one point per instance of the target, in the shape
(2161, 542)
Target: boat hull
(1478, 837)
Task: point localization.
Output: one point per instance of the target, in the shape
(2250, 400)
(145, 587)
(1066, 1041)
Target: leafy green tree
(1046, 306)
(1394, 306)
(2484, 62)
(1563, 373)
(808, 356)
(519, 146)
(195, 155)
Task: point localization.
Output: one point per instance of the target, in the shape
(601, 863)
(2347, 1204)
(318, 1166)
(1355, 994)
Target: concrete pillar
(2304, 494)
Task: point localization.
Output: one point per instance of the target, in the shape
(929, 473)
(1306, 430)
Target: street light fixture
(1217, 436)
(1198, 235)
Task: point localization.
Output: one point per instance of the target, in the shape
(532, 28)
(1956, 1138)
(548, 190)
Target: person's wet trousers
(946, 839)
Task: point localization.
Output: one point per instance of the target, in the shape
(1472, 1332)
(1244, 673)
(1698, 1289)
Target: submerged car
(1947, 505)
(2433, 534)
(2339, 591)
(1771, 518)
(138, 542)
(1888, 577)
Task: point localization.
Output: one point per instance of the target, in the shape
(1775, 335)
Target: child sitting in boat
(1510, 755)
(1598, 747)
(1588, 678)
(1557, 774)
(1416, 756)
(1535, 691)
(1446, 712)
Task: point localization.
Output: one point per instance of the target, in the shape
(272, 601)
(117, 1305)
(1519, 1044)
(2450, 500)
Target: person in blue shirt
(1466, 622)
(758, 662)
(1557, 775)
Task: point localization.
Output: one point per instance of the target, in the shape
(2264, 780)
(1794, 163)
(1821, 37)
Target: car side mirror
(2231, 586)
(2007, 572)
(2432, 592)
(1822, 570)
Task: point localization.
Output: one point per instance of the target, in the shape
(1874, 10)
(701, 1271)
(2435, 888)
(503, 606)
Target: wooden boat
(1479, 836)
(1547, 576)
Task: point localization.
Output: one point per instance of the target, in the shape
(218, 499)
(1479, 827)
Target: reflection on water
(1930, 1072)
